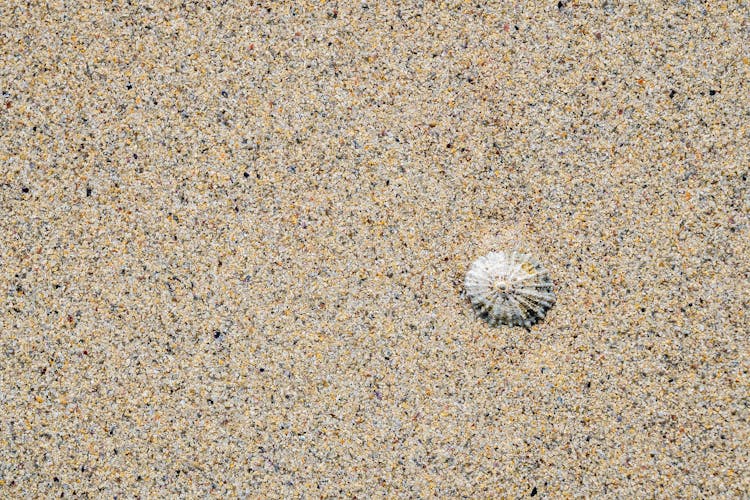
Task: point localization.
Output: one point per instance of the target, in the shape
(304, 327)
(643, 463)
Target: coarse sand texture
(237, 243)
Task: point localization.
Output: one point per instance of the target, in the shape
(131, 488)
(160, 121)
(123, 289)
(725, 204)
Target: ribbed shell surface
(509, 288)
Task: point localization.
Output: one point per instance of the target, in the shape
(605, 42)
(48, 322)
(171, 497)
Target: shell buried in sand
(509, 288)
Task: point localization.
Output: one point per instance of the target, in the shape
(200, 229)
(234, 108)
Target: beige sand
(233, 239)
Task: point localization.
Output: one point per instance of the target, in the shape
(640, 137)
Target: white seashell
(509, 288)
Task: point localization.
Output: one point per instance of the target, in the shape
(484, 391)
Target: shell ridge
(509, 288)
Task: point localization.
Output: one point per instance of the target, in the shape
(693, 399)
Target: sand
(233, 240)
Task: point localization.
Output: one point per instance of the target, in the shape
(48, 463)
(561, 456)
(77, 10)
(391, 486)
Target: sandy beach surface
(233, 239)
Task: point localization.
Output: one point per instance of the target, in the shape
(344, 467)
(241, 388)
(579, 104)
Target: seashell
(509, 288)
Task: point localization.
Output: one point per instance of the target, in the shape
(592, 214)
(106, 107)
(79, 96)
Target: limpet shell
(509, 288)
